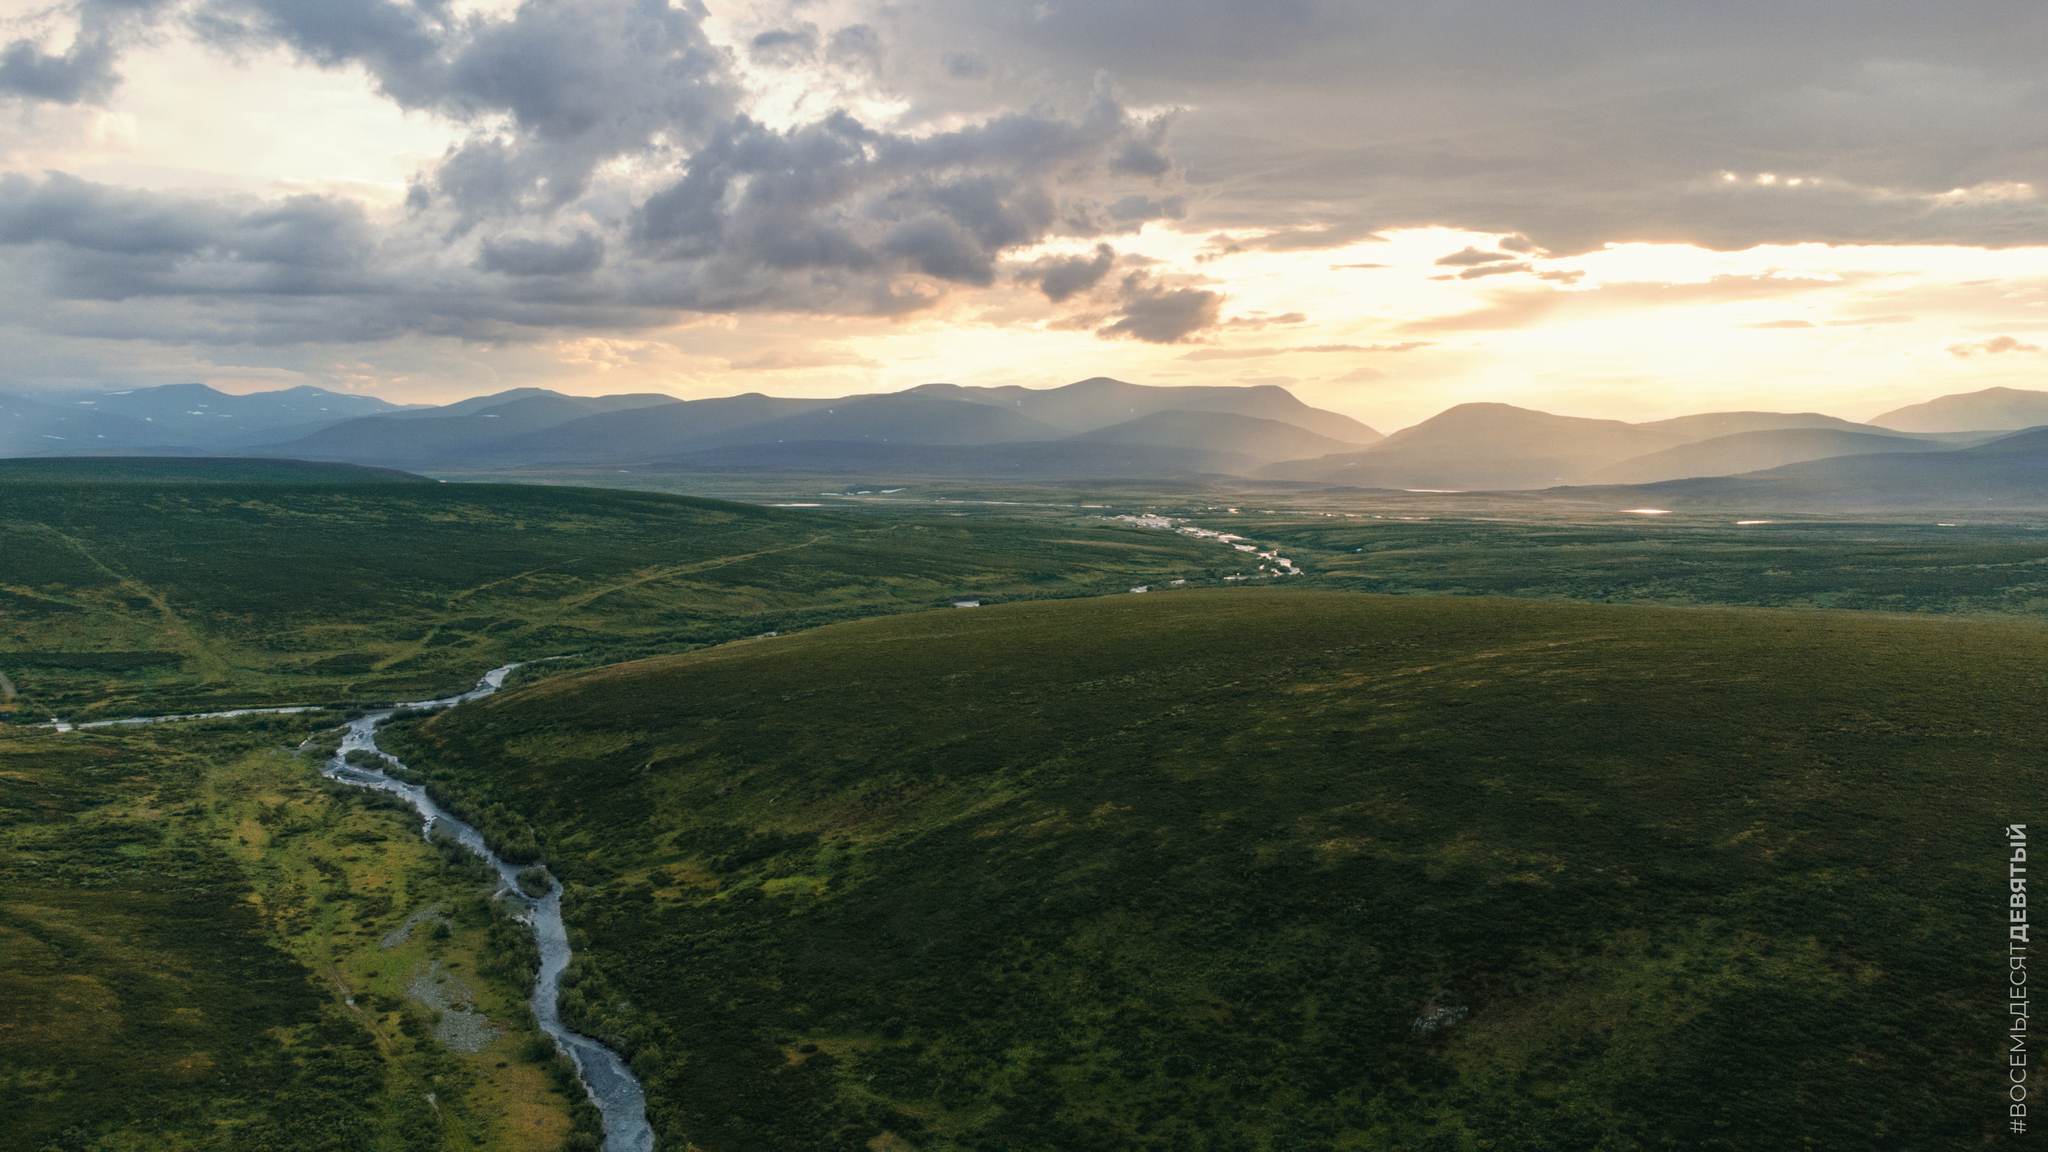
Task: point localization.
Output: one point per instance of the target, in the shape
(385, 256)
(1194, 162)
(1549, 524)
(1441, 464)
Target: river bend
(611, 1084)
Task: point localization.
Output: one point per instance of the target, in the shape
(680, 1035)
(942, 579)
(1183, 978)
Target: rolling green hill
(1288, 870)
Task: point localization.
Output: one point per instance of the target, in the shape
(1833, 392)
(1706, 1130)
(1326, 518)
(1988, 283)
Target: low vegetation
(1205, 868)
(206, 946)
(1261, 869)
(125, 599)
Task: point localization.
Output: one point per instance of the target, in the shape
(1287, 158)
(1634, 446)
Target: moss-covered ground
(193, 932)
(136, 599)
(1280, 870)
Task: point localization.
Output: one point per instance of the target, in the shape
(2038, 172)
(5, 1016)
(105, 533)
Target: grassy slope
(186, 911)
(126, 599)
(1182, 871)
(1983, 569)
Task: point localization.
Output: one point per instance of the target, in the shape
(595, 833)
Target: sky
(1619, 209)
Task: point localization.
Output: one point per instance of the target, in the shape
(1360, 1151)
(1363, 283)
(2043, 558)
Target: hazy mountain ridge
(1756, 451)
(1036, 459)
(1226, 429)
(186, 416)
(1484, 446)
(1958, 412)
(1094, 428)
(1248, 435)
(2006, 473)
(1097, 402)
(1503, 447)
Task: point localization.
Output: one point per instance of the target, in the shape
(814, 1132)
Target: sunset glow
(1746, 283)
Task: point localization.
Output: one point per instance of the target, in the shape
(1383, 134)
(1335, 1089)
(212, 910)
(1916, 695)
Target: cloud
(1781, 324)
(1526, 307)
(516, 256)
(84, 74)
(1268, 381)
(1137, 208)
(1359, 376)
(556, 90)
(1493, 131)
(831, 217)
(1468, 256)
(965, 65)
(1201, 354)
(1872, 320)
(781, 360)
(835, 209)
(1491, 270)
(1258, 320)
(1230, 353)
(1991, 347)
(101, 243)
(784, 47)
(1159, 315)
(1062, 277)
(857, 47)
(626, 163)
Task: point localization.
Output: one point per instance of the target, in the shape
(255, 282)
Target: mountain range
(174, 419)
(1096, 428)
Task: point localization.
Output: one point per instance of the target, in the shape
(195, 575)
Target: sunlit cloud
(845, 195)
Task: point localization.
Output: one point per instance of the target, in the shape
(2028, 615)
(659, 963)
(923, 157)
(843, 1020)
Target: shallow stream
(605, 1076)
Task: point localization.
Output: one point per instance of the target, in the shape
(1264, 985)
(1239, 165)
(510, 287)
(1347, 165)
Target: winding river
(610, 1083)
(605, 1076)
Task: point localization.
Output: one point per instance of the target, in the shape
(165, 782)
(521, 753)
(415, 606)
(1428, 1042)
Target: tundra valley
(1093, 767)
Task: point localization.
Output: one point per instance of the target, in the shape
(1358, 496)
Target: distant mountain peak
(1986, 409)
